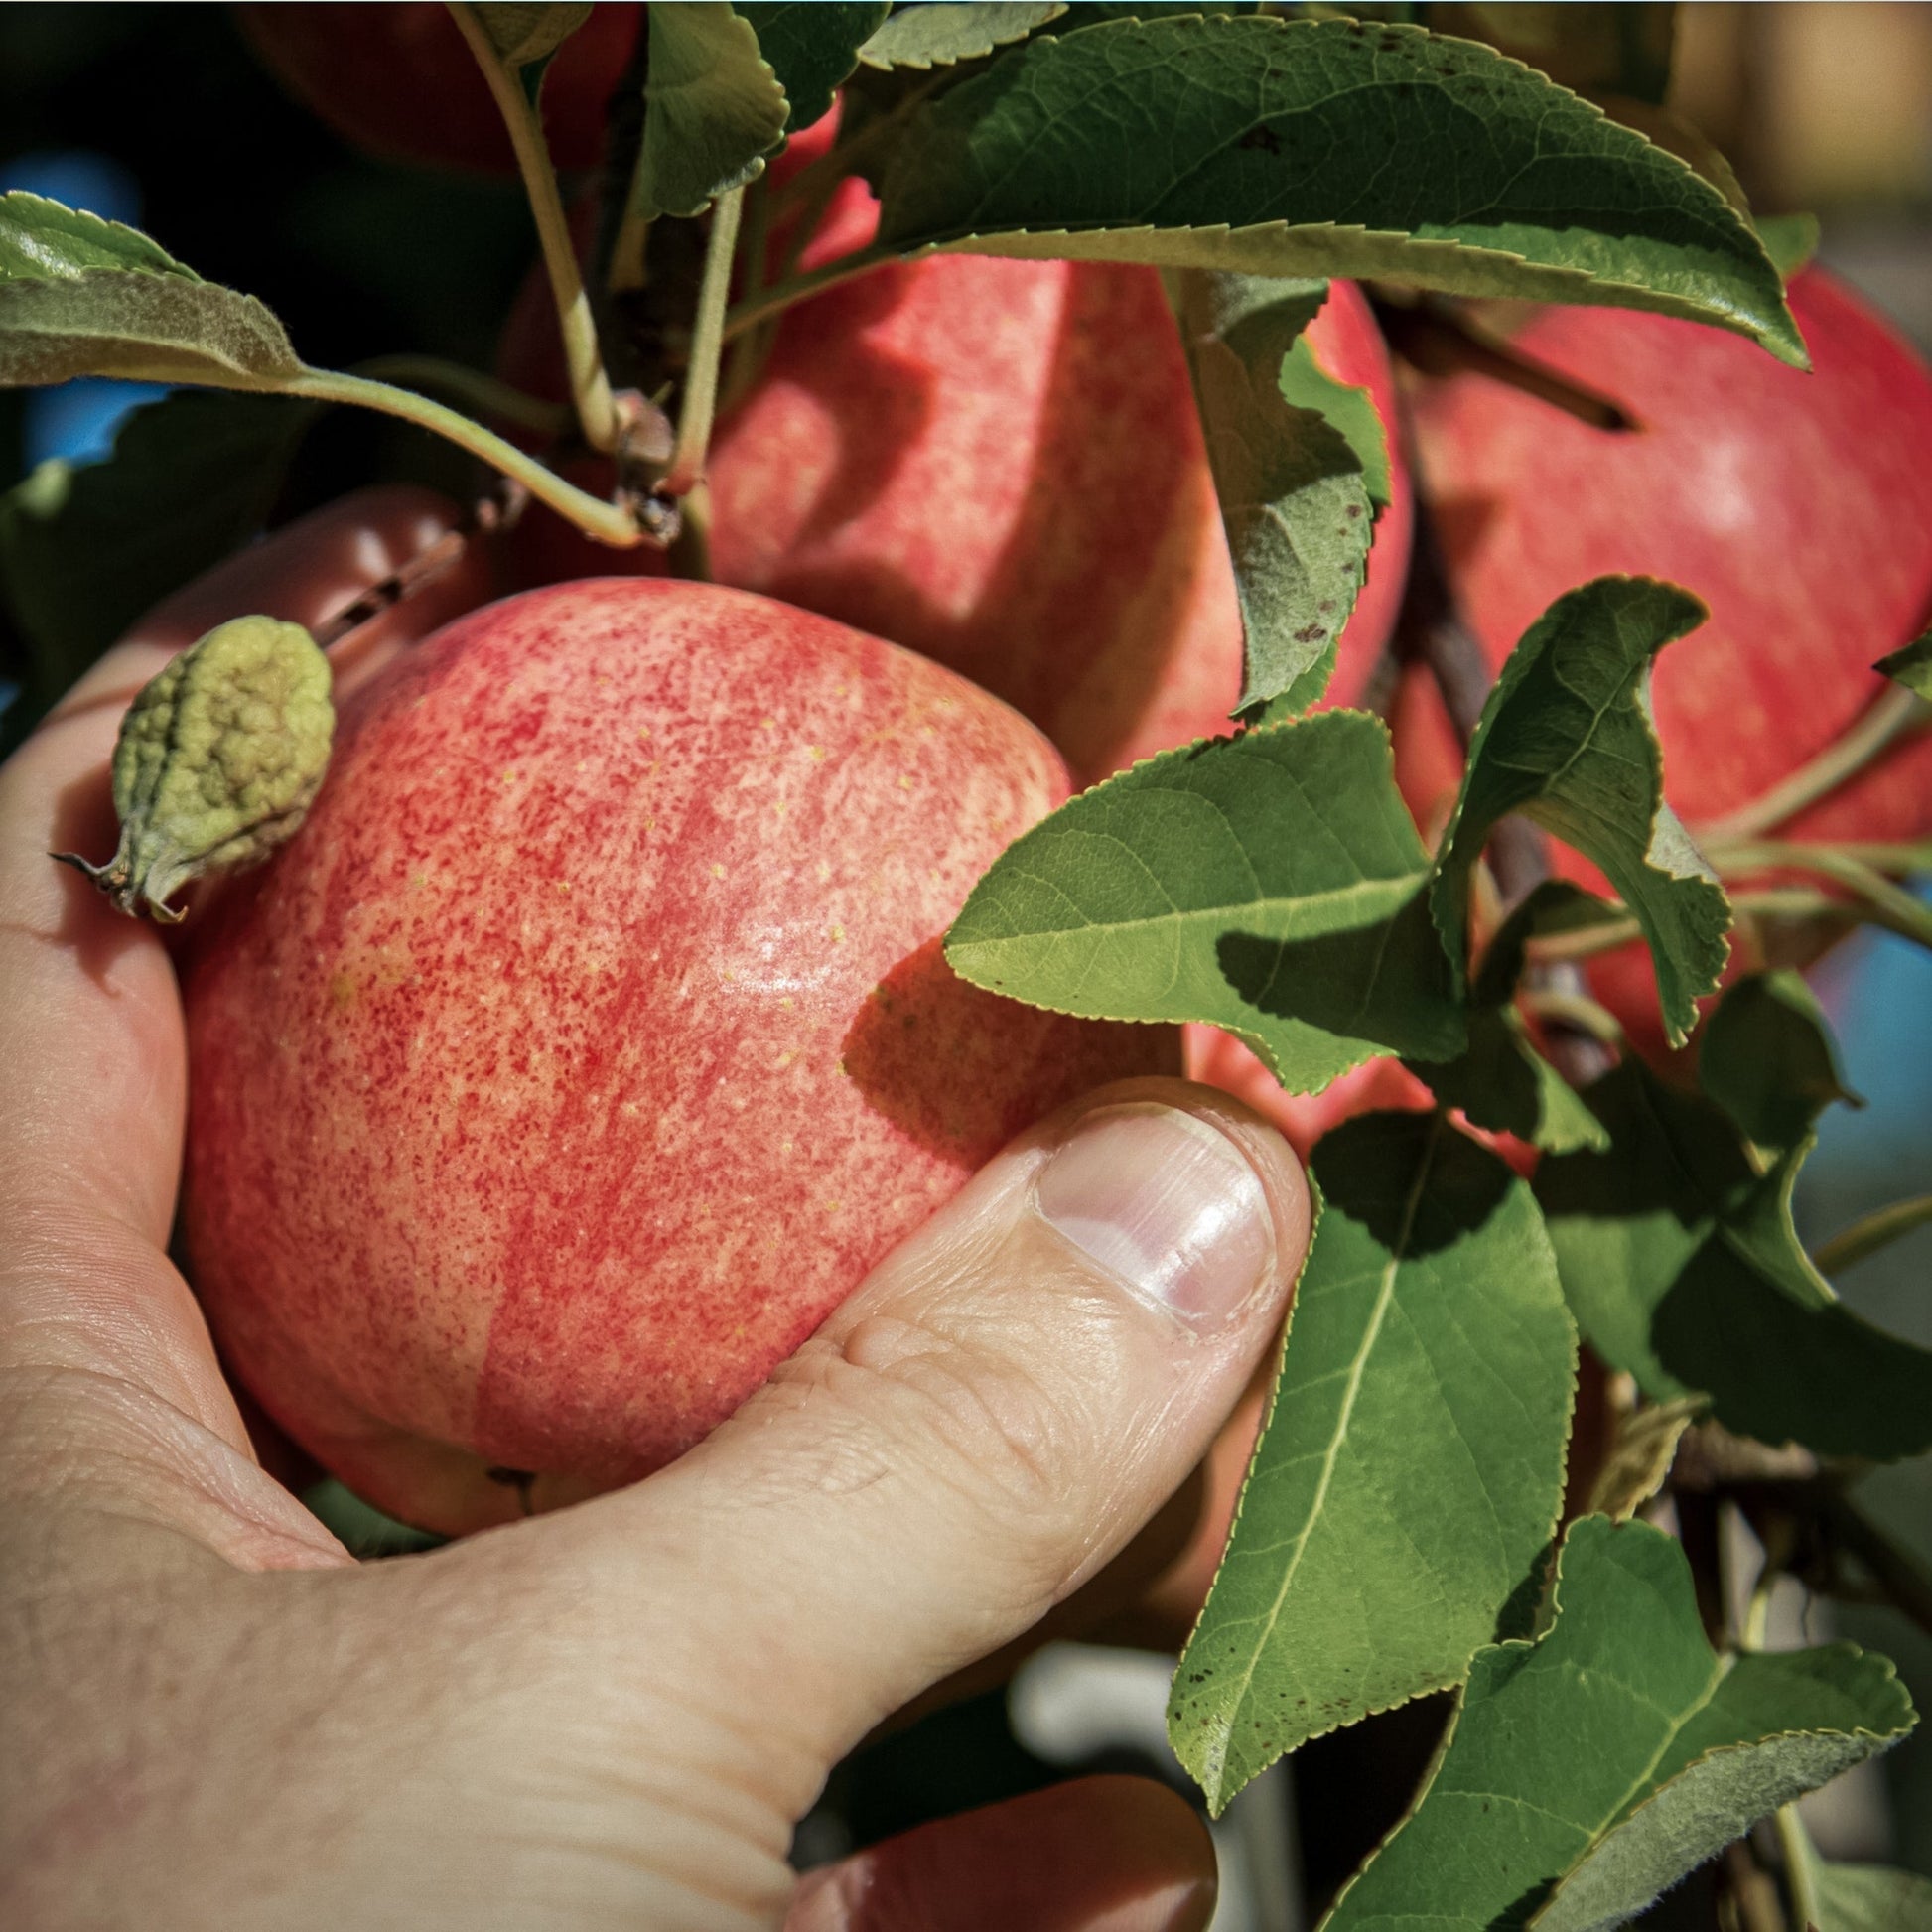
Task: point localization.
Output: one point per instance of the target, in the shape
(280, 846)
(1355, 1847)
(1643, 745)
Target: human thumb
(1005, 1400)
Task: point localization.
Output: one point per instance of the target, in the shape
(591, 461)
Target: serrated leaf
(713, 109)
(1767, 1058)
(942, 33)
(1590, 1770)
(1640, 1456)
(80, 296)
(1581, 44)
(1272, 885)
(1565, 738)
(85, 548)
(1315, 148)
(1682, 1266)
(1294, 496)
(1502, 1082)
(1910, 666)
(1409, 1477)
(527, 30)
(812, 46)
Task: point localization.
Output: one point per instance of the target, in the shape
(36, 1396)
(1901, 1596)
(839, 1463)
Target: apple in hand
(400, 81)
(593, 1039)
(1798, 507)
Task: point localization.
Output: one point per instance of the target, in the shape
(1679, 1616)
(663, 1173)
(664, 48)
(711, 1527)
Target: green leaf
(1409, 1479)
(1588, 1772)
(1911, 666)
(85, 548)
(713, 109)
(1501, 1081)
(1870, 1898)
(1681, 1263)
(944, 33)
(1789, 239)
(525, 32)
(1294, 496)
(1581, 43)
(1271, 884)
(1640, 1457)
(80, 296)
(1289, 148)
(1565, 738)
(1767, 1058)
(812, 46)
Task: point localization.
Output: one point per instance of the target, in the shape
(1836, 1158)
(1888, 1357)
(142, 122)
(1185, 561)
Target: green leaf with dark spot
(1271, 884)
(1591, 1770)
(85, 548)
(1318, 148)
(1565, 738)
(1294, 493)
(713, 109)
(1767, 1058)
(812, 46)
(1911, 666)
(1409, 1476)
(1682, 1265)
(942, 33)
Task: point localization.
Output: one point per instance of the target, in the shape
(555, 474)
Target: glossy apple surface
(593, 1039)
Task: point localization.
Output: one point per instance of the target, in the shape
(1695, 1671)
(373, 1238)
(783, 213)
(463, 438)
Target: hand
(613, 1715)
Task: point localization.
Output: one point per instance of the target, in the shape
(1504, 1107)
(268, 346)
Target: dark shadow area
(1388, 981)
(1367, 1168)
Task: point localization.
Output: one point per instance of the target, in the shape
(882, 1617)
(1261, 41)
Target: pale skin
(606, 1718)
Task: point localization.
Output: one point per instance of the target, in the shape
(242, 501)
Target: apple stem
(610, 523)
(590, 387)
(485, 394)
(699, 404)
(1893, 713)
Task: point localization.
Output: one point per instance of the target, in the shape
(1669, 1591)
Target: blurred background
(162, 118)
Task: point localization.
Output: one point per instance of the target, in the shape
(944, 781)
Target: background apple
(398, 82)
(594, 1038)
(1798, 507)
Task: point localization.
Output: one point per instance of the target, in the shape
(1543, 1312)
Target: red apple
(1798, 507)
(956, 454)
(593, 1041)
(399, 80)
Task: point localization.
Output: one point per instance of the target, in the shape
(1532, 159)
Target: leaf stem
(1891, 714)
(1796, 1847)
(1576, 1009)
(475, 390)
(798, 288)
(1869, 1233)
(605, 522)
(590, 387)
(698, 405)
(1901, 911)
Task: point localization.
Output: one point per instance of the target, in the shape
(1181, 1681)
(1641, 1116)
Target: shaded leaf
(1870, 1898)
(1789, 239)
(525, 32)
(1408, 1479)
(1286, 147)
(1681, 1263)
(1502, 1082)
(942, 33)
(713, 109)
(1518, 1825)
(1768, 1061)
(1565, 738)
(85, 548)
(1292, 487)
(1911, 666)
(1271, 884)
(812, 46)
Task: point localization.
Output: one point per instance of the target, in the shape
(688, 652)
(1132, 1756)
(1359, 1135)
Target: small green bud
(217, 764)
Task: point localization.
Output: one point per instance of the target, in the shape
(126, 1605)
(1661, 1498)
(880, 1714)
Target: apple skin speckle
(533, 1123)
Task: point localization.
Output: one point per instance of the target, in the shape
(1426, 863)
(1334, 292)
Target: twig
(1893, 713)
(1871, 1232)
(483, 393)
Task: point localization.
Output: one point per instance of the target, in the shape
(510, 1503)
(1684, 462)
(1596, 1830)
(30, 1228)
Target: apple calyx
(218, 760)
